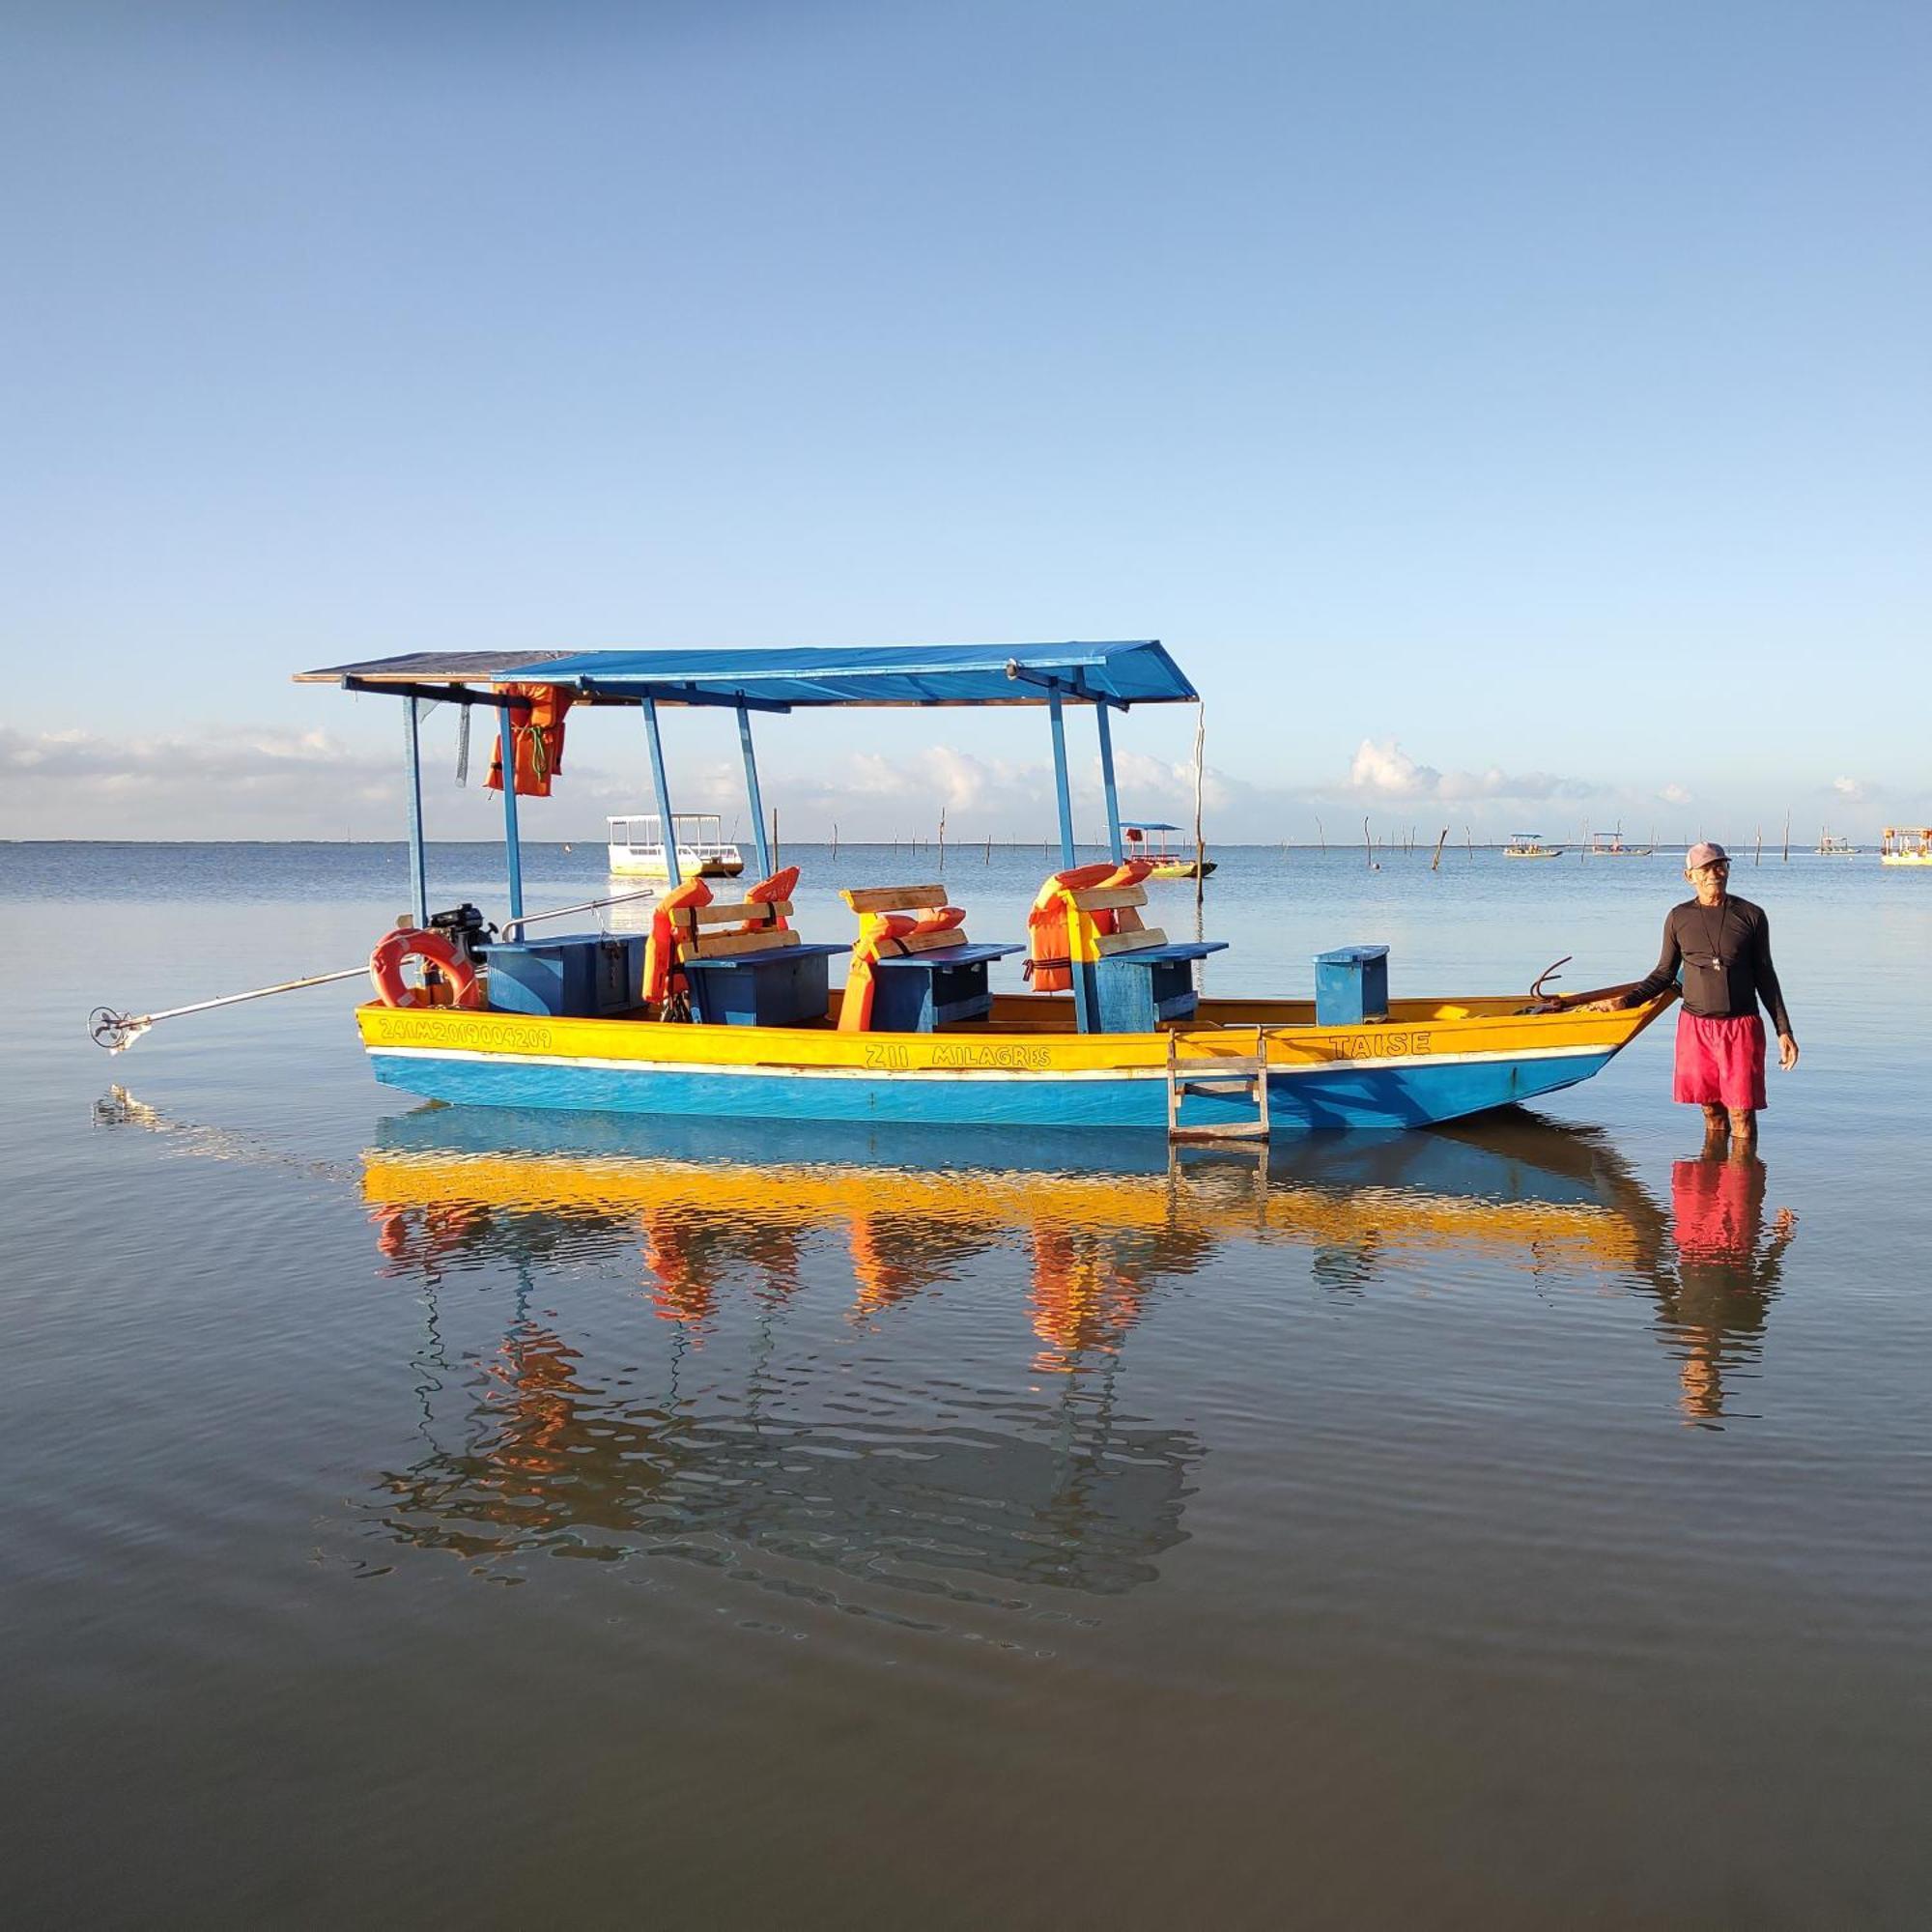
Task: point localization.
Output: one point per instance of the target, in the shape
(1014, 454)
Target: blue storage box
(787, 986)
(1351, 985)
(1133, 992)
(572, 975)
(924, 991)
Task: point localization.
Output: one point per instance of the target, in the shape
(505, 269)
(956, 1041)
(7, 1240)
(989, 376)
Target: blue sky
(1510, 414)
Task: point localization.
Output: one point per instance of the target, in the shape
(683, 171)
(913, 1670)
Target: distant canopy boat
(1149, 839)
(1906, 845)
(636, 848)
(1530, 845)
(1611, 845)
(726, 1012)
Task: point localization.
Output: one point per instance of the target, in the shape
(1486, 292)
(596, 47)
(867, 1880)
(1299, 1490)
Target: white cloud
(141, 786)
(1382, 770)
(1854, 791)
(1389, 772)
(1675, 794)
(1157, 788)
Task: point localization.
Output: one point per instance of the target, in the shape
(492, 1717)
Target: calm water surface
(441, 1515)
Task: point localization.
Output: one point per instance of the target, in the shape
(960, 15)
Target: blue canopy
(1106, 673)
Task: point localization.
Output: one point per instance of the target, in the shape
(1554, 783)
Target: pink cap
(1705, 854)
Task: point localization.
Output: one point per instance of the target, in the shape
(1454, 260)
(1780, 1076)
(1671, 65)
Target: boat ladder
(1223, 1076)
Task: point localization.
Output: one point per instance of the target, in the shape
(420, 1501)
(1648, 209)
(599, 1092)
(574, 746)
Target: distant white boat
(1830, 847)
(1611, 845)
(636, 847)
(1530, 845)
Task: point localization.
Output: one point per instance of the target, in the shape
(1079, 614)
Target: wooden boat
(1611, 845)
(1150, 840)
(1830, 847)
(1530, 845)
(636, 847)
(1906, 845)
(744, 1024)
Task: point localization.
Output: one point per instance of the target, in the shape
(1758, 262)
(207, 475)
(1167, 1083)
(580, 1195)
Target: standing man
(1722, 946)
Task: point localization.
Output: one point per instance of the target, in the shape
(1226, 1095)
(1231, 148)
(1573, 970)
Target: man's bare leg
(1744, 1125)
(1716, 1120)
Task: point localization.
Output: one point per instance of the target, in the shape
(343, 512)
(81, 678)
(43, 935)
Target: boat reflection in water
(552, 1440)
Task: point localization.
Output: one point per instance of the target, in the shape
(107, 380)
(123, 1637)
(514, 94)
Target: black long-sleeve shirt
(1724, 952)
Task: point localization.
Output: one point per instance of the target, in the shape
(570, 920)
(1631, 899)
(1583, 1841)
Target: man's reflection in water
(1728, 1268)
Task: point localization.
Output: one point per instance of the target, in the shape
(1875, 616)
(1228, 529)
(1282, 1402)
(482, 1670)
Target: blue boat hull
(1312, 1099)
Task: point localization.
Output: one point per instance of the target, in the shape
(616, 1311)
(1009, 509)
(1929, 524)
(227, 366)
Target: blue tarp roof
(1122, 673)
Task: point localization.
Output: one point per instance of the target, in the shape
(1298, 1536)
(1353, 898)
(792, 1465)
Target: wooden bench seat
(909, 981)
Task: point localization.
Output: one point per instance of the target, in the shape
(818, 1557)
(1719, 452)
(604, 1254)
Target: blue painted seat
(1136, 990)
(920, 991)
(786, 985)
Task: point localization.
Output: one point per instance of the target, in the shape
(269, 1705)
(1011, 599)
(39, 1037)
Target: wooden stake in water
(835, 838)
(1787, 838)
(1435, 863)
(1200, 844)
(1369, 839)
(1321, 837)
(942, 841)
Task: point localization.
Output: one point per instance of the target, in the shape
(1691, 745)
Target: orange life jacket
(769, 892)
(1050, 966)
(878, 931)
(879, 935)
(664, 971)
(536, 726)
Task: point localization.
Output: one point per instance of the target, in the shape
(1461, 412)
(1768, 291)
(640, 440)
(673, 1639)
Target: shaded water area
(441, 1514)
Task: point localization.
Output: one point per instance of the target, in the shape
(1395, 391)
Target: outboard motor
(466, 929)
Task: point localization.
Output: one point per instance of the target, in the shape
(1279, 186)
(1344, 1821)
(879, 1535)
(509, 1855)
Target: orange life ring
(406, 942)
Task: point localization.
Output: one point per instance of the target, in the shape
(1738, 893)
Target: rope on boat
(116, 1032)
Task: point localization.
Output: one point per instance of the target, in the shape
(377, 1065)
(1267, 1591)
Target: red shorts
(1719, 1063)
(1716, 1207)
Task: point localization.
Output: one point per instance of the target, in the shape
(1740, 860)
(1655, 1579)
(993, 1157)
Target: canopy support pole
(1085, 1016)
(506, 770)
(1106, 729)
(418, 855)
(752, 792)
(1060, 784)
(662, 786)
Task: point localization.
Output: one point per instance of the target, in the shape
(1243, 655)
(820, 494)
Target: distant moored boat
(636, 847)
(1530, 845)
(1906, 845)
(1611, 845)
